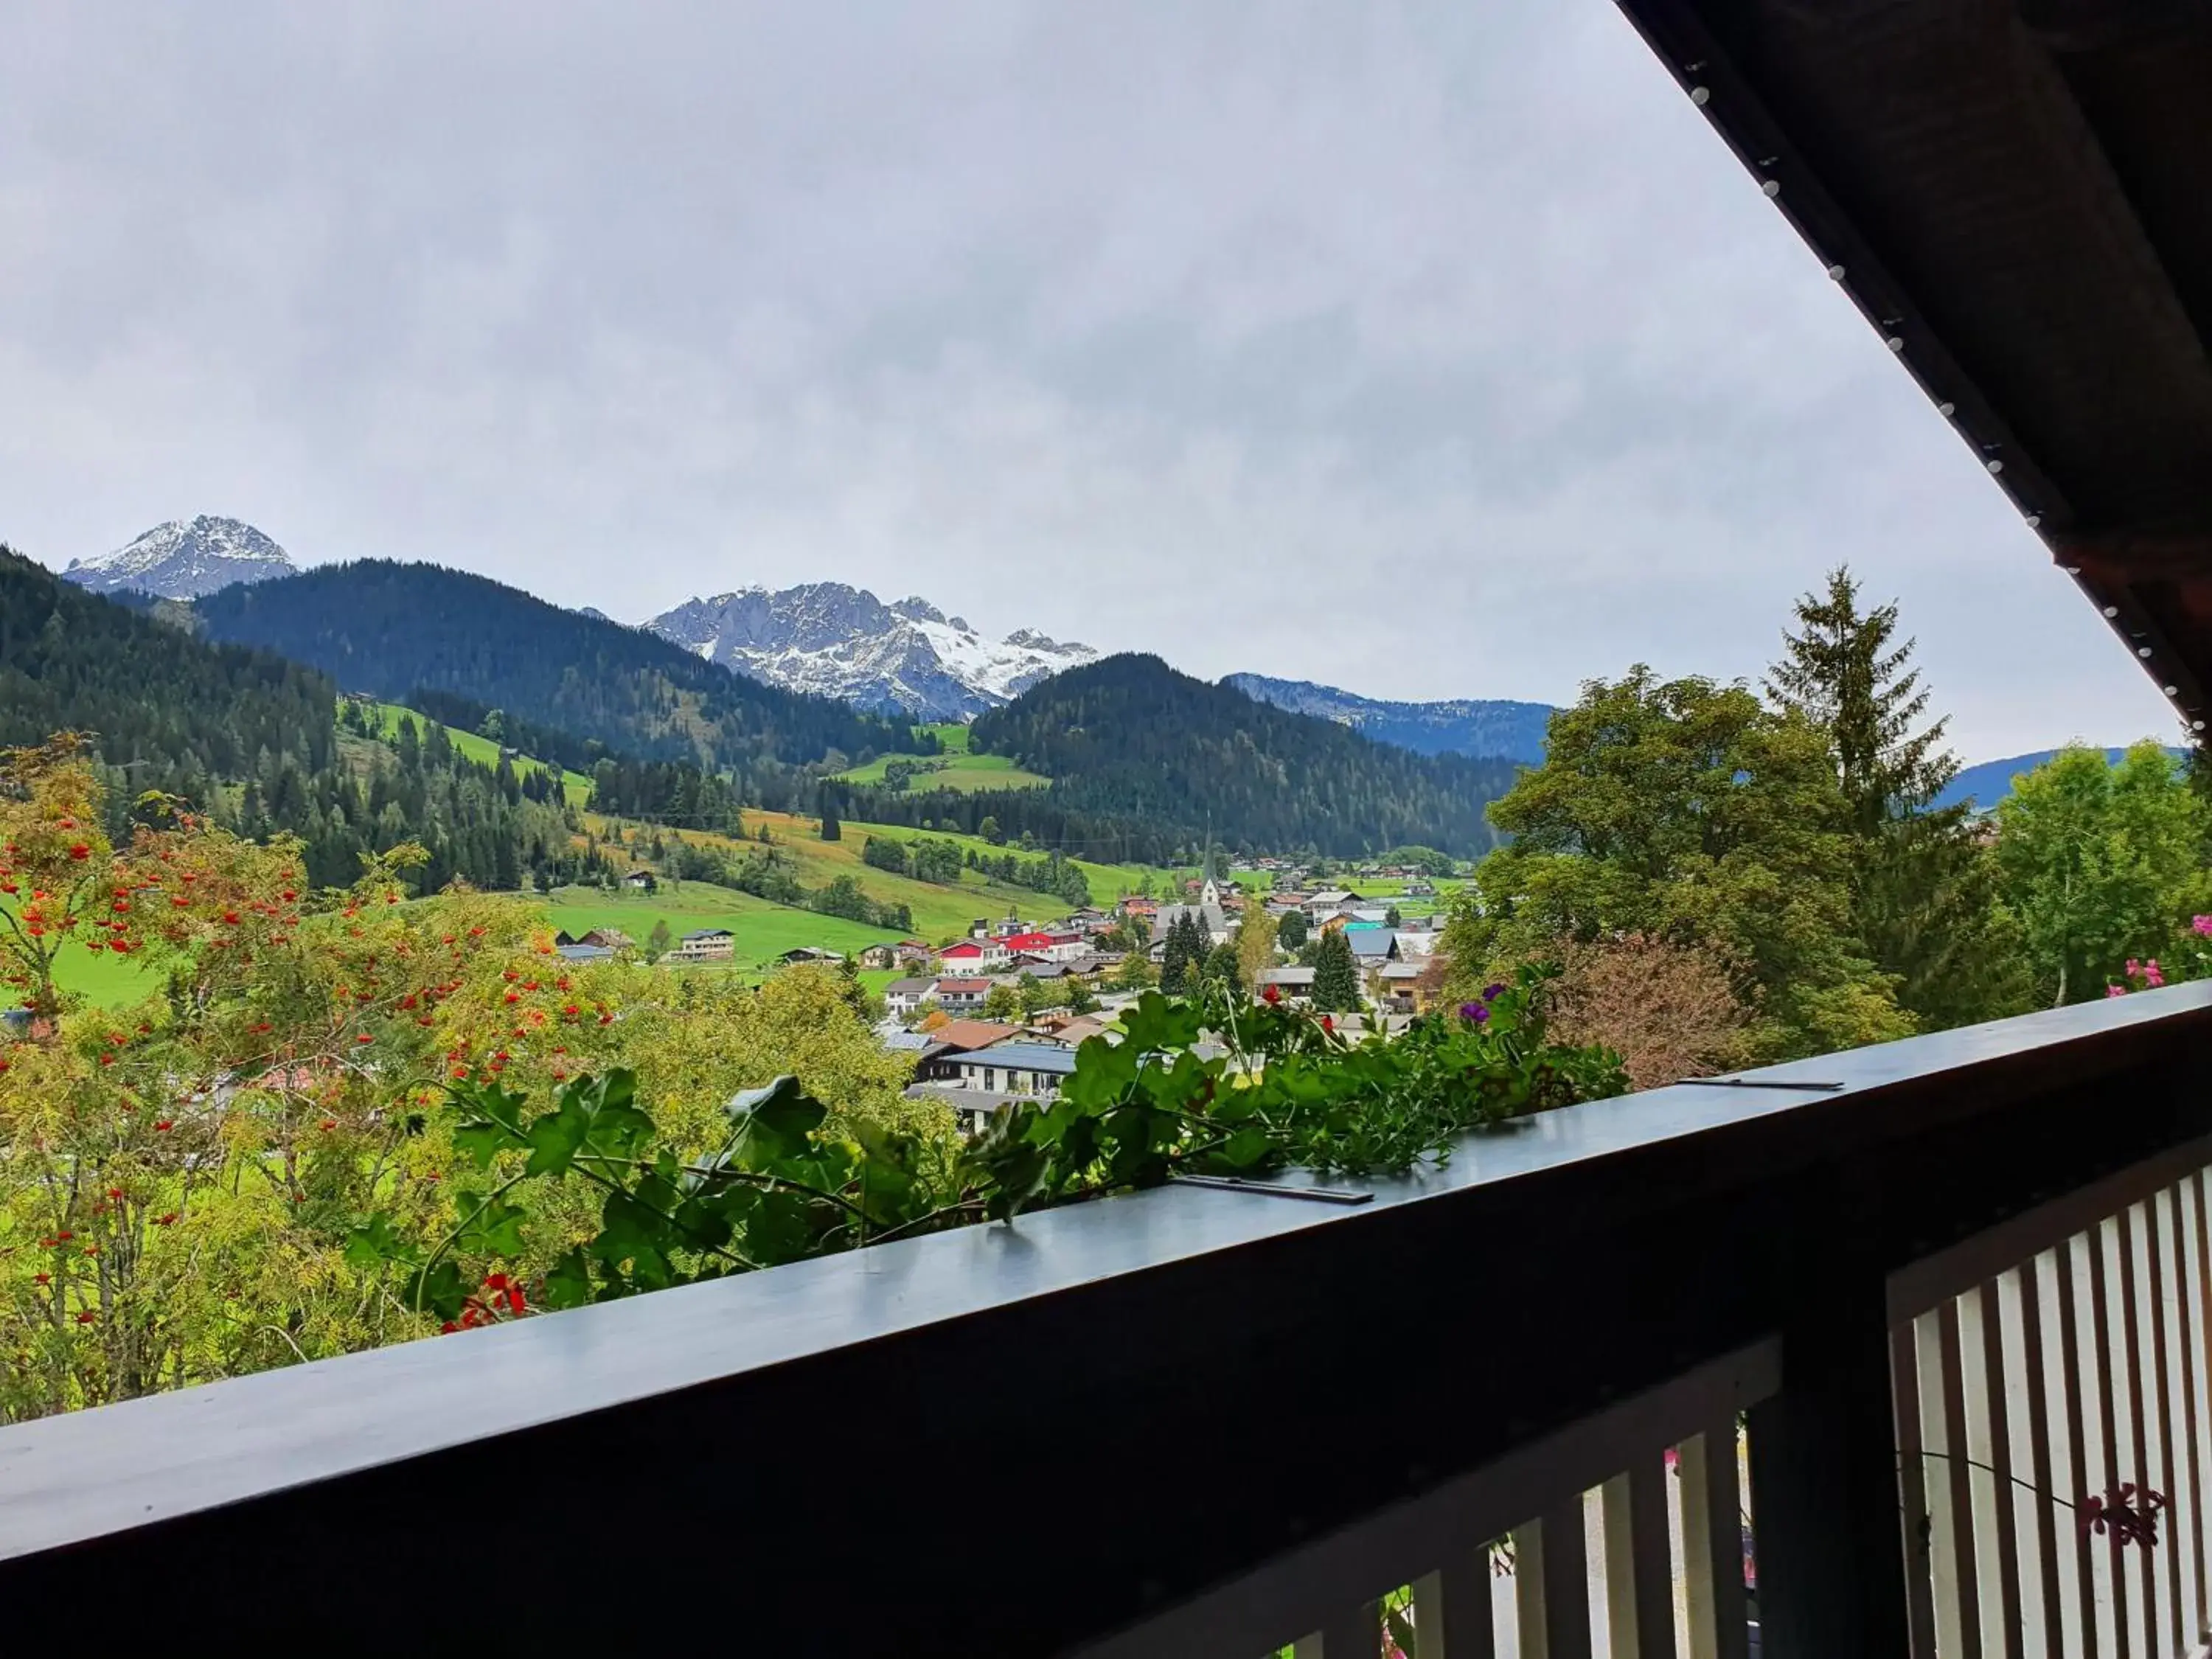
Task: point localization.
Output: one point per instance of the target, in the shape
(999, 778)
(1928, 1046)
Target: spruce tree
(831, 829)
(1184, 951)
(1924, 893)
(1336, 975)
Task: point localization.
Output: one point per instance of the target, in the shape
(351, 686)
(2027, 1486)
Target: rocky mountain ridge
(184, 559)
(840, 641)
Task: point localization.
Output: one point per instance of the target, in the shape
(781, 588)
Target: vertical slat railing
(2025, 1388)
(1588, 1520)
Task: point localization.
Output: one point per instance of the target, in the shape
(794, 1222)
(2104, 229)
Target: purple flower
(1474, 1012)
(1492, 992)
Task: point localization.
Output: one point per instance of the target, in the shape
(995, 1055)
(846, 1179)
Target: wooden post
(1826, 1527)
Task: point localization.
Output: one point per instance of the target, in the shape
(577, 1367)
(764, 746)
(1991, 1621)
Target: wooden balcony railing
(1940, 1292)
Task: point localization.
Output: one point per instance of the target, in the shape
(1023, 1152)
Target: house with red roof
(974, 955)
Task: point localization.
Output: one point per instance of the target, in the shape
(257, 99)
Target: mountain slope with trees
(255, 743)
(1130, 738)
(397, 630)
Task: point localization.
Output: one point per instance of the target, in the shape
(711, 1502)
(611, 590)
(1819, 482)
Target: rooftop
(1023, 1057)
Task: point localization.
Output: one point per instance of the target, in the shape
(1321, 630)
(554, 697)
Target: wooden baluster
(2033, 1345)
(1550, 1574)
(1356, 1633)
(2005, 1541)
(2158, 1221)
(2192, 1285)
(1452, 1610)
(1712, 1544)
(2072, 1256)
(1965, 1578)
(2100, 1331)
(1639, 1568)
(1532, 1637)
(2139, 1468)
(1913, 1514)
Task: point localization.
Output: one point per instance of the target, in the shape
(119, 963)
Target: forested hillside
(1128, 737)
(254, 742)
(170, 712)
(398, 630)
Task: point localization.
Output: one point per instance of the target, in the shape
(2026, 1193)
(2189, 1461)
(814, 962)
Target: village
(996, 1016)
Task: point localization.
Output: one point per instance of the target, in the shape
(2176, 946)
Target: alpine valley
(843, 642)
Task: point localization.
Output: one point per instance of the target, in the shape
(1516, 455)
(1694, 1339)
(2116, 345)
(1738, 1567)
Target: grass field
(957, 768)
(483, 750)
(763, 931)
(1108, 881)
(940, 913)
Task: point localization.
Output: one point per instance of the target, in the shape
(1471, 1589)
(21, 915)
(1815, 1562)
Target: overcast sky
(1429, 351)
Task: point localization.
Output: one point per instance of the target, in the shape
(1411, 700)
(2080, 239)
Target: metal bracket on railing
(1273, 1189)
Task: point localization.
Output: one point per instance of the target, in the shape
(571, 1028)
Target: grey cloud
(1430, 350)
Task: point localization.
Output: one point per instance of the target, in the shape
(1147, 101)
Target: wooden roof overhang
(2017, 194)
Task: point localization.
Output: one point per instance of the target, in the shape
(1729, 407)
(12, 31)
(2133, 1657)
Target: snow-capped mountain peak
(184, 559)
(844, 642)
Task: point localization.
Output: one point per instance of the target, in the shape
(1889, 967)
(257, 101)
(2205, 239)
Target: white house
(904, 997)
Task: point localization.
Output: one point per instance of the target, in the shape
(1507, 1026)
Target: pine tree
(1336, 976)
(1923, 894)
(831, 829)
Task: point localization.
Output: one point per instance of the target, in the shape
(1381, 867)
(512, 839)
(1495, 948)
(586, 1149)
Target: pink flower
(2201, 925)
(2116, 990)
(2133, 968)
(2151, 975)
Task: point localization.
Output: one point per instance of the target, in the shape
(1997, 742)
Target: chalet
(1292, 984)
(1052, 947)
(1329, 902)
(808, 953)
(904, 997)
(578, 951)
(905, 953)
(1043, 969)
(1396, 985)
(1065, 1029)
(1014, 1068)
(959, 996)
(972, 1109)
(706, 944)
(955, 1038)
(973, 956)
(640, 881)
(612, 937)
(1372, 944)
